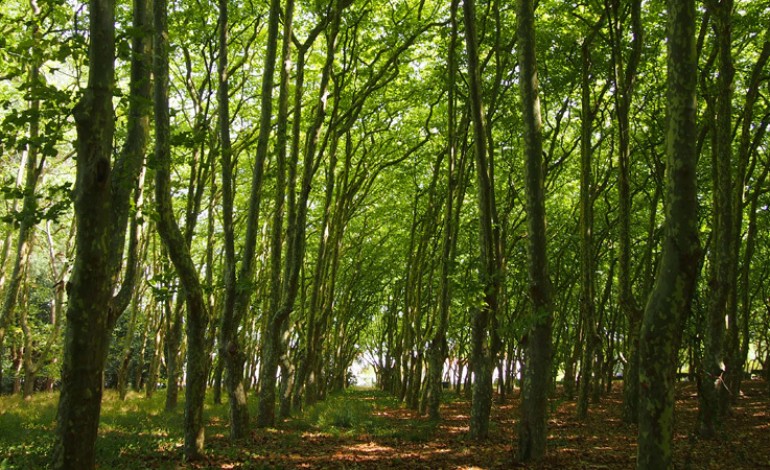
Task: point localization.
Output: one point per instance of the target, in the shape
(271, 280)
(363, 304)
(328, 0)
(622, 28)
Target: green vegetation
(139, 433)
(233, 207)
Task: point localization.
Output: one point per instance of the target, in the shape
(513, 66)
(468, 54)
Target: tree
(439, 347)
(624, 78)
(723, 261)
(534, 394)
(670, 299)
(489, 272)
(177, 247)
(102, 196)
(587, 265)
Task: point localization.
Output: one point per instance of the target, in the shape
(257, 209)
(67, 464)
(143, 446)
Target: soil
(603, 441)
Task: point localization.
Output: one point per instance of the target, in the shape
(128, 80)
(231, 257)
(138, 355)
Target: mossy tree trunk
(230, 353)
(178, 247)
(489, 272)
(670, 299)
(439, 348)
(739, 304)
(722, 261)
(625, 78)
(587, 264)
(537, 368)
(102, 205)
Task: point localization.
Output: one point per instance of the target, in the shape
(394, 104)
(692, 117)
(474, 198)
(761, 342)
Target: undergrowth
(138, 433)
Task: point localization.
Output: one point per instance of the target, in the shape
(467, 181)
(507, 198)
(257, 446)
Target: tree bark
(230, 353)
(177, 247)
(739, 343)
(537, 369)
(723, 262)
(439, 348)
(102, 199)
(670, 299)
(276, 333)
(481, 351)
(624, 74)
(587, 268)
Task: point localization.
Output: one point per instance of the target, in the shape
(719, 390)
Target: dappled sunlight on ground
(368, 429)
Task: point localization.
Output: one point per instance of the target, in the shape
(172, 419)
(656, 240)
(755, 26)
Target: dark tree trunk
(537, 371)
(722, 262)
(178, 248)
(230, 351)
(587, 264)
(484, 316)
(672, 293)
(102, 198)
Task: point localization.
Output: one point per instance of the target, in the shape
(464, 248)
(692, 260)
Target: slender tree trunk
(672, 293)
(158, 339)
(625, 79)
(481, 353)
(439, 348)
(32, 174)
(230, 353)
(722, 263)
(173, 344)
(7, 242)
(126, 350)
(740, 348)
(177, 247)
(587, 268)
(276, 333)
(537, 370)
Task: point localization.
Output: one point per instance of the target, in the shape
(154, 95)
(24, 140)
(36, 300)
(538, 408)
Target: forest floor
(367, 429)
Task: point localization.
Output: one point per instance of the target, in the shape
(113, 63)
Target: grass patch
(344, 413)
(139, 433)
(364, 412)
(26, 430)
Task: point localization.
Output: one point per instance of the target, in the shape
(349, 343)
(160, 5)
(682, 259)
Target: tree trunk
(32, 172)
(671, 296)
(625, 78)
(739, 352)
(587, 265)
(537, 370)
(481, 352)
(712, 392)
(173, 345)
(102, 198)
(126, 351)
(177, 247)
(230, 353)
(439, 349)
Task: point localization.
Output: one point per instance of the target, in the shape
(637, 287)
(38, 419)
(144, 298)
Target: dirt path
(384, 435)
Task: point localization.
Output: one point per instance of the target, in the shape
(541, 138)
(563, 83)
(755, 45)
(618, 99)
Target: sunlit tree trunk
(230, 353)
(102, 202)
(32, 174)
(276, 333)
(439, 348)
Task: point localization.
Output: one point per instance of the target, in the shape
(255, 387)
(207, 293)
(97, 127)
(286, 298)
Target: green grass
(132, 431)
(26, 430)
(138, 433)
(358, 412)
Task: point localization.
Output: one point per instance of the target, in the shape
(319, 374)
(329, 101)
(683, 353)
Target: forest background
(496, 196)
